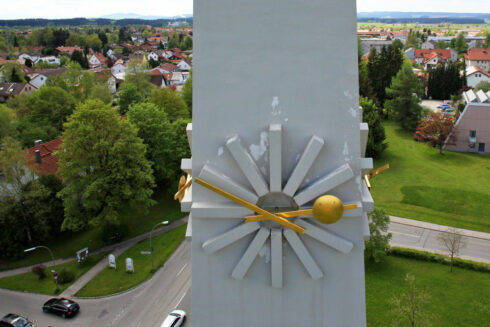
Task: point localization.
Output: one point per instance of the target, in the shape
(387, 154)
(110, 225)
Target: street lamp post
(151, 247)
(52, 258)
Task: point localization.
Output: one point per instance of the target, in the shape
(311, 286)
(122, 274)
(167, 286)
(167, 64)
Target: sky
(96, 8)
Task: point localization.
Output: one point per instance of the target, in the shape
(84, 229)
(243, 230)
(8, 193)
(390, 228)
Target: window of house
(481, 147)
(472, 133)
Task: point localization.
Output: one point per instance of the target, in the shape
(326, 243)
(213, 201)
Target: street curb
(439, 228)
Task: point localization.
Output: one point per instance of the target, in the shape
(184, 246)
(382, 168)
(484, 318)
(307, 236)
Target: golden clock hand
(303, 212)
(282, 221)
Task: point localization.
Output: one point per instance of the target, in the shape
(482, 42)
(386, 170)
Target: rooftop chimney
(38, 142)
(38, 156)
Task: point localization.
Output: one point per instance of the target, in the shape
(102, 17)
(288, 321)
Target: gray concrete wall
(243, 82)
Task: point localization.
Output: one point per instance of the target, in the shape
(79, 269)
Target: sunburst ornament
(280, 214)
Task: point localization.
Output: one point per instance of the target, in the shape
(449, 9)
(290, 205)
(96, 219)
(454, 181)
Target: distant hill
(137, 16)
(423, 17)
(40, 22)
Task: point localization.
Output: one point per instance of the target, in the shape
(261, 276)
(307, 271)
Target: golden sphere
(328, 209)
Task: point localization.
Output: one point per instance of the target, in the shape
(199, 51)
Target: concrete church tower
(278, 203)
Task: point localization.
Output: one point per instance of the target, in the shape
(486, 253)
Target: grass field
(449, 189)
(456, 299)
(68, 243)
(31, 282)
(110, 281)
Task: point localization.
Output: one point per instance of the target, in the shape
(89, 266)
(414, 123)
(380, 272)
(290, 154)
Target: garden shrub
(65, 276)
(40, 271)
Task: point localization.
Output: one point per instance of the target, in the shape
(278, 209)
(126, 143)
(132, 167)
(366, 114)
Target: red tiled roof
(49, 163)
(478, 70)
(100, 56)
(478, 54)
(168, 67)
(156, 72)
(424, 53)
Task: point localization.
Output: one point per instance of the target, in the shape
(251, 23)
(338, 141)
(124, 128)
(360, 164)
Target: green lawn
(68, 243)
(110, 281)
(31, 282)
(449, 189)
(457, 299)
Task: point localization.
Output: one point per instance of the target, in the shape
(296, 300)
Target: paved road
(423, 236)
(146, 305)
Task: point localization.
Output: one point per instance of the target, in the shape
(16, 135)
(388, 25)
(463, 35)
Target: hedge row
(433, 257)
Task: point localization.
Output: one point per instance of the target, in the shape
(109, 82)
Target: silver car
(175, 319)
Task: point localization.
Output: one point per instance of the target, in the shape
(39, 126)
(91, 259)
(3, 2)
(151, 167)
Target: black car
(13, 320)
(63, 307)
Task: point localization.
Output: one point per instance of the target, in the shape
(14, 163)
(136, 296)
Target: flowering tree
(437, 129)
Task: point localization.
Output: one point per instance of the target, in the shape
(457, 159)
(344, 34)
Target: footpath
(116, 249)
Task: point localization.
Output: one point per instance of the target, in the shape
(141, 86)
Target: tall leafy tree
(93, 41)
(461, 46)
(104, 166)
(376, 137)
(187, 93)
(381, 69)
(444, 81)
(378, 244)
(8, 121)
(157, 133)
(12, 72)
(436, 129)
(129, 95)
(79, 57)
(137, 75)
(404, 98)
(171, 102)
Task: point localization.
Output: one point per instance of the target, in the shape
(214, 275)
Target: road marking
(414, 236)
(181, 270)
(180, 299)
(139, 323)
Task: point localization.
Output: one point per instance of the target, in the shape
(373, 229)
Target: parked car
(14, 320)
(63, 307)
(175, 319)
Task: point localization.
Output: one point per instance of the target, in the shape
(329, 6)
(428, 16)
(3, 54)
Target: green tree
(79, 57)
(460, 44)
(101, 92)
(181, 148)
(412, 41)
(378, 244)
(444, 81)
(397, 44)
(137, 75)
(442, 44)
(87, 82)
(381, 69)
(157, 133)
(104, 166)
(483, 85)
(8, 121)
(171, 102)
(404, 98)
(3, 44)
(173, 41)
(153, 63)
(186, 44)
(93, 41)
(437, 129)
(128, 96)
(376, 138)
(187, 93)
(365, 86)
(12, 72)
(410, 306)
(50, 106)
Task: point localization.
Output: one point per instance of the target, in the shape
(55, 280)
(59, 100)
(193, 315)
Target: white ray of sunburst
(246, 163)
(219, 179)
(339, 176)
(304, 164)
(276, 257)
(251, 253)
(275, 157)
(326, 237)
(303, 254)
(229, 237)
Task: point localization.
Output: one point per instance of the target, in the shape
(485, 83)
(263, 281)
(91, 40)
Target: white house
(32, 58)
(153, 55)
(479, 57)
(427, 45)
(38, 80)
(474, 76)
(97, 60)
(184, 65)
(50, 60)
(119, 68)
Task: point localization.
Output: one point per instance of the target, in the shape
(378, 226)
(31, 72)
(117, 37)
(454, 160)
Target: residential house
(184, 65)
(427, 45)
(119, 68)
(40, 76)
(9, 90)
(38, 80)
(32, 57)
(157, 78)
(475, 75)
(50, 60)
(153, 55)
(167, 68)
(41, 157)
(378, 44)
(175, 78)
(97, 60)
(68, 51)
(472, 130)
(479, 57)
(428, 57)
